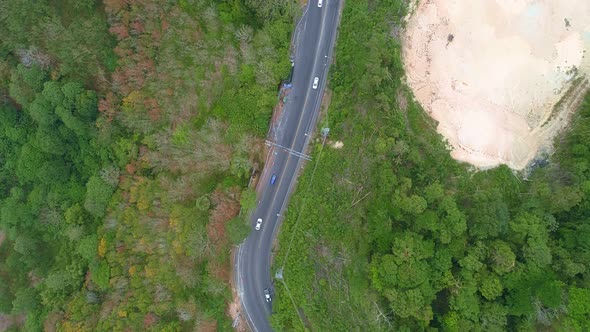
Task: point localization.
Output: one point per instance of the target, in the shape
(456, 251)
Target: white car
(267, 295)
(316, 80)
(320, 3)
(258, 224)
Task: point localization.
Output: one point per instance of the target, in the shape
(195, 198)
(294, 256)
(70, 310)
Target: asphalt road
(314, 40)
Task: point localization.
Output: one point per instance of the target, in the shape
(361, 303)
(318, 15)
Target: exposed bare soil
(501, 77)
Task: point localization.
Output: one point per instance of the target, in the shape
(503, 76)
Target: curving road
(314, 40)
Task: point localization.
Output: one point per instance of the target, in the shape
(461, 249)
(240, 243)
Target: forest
(127, 130)
(128, 133)
(389, 233)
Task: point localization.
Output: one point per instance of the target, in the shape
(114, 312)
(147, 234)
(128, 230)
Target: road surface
(314, 40)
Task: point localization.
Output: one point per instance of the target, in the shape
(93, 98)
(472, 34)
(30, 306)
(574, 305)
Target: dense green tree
(490, 217)
(25, 300)
(578, 305)
(266, 11)
(25, 245)
(240, 167)
(550, 293)
(248, 199)
(466, 302)
(26, 82)
(502, 257)
(413, 204)
(238, 229)
(6, 296)
(71, 122)
(29, 163)
(537, 252)
(494, 317)
(14, 213)
(490, 287)
(42, 112)
(52, 92)
(434, 192)
(87, 248)
(50, 142)
(98, 194)
(410, 303)
(11, 125)
(100, 273)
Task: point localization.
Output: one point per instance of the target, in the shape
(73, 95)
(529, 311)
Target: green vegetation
(394, 235)
(126, 134)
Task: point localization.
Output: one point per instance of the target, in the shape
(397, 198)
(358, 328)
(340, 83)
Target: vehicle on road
(314, 37)
(273, 178)
(320, 3)
(258, 224)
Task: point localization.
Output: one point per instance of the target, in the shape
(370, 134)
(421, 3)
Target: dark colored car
(273, 179)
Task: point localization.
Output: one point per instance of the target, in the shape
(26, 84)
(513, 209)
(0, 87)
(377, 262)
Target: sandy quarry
(493, 86)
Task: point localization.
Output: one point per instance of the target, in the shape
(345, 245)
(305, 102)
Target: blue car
(273, 179)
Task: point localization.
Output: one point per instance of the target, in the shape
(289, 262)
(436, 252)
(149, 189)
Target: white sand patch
(337, 145)
(493, 85)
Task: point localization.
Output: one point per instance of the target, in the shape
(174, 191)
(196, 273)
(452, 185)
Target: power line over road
(289, 150)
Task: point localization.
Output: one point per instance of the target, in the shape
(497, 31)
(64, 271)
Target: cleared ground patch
(501, 77)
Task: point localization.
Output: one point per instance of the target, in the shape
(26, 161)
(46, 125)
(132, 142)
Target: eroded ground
(501, 77)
